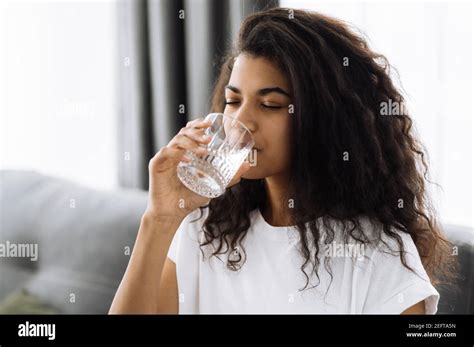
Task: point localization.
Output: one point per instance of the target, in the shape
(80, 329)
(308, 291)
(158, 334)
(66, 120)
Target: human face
(258, 94)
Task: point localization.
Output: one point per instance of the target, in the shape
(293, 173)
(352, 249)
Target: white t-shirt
(365, 279)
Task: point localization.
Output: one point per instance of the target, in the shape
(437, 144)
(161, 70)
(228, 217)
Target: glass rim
(238, 121)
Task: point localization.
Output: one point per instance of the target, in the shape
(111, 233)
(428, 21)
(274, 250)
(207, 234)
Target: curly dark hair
(337, 112)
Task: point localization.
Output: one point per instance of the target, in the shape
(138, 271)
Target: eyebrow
(261, 92)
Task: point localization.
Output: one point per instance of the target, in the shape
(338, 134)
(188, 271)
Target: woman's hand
(168, 197)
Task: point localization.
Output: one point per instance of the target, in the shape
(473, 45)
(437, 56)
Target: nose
(244, 115)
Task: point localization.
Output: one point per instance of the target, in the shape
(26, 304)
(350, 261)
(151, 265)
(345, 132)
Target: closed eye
(270, 106)
(264, 105)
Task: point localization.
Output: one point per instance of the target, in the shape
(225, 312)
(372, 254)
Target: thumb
(243, 168)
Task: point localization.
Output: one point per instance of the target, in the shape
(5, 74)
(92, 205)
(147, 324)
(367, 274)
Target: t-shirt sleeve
(183, 228)
(394, 288)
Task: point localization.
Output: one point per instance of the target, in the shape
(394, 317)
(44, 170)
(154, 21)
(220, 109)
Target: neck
(278, 206)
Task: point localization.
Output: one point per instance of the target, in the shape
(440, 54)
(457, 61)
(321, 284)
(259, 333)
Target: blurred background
(90, 90)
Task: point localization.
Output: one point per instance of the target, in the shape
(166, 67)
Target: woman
(338, 168)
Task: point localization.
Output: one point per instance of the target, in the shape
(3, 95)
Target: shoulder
(395, 249)
(390, 249)
(398, 279)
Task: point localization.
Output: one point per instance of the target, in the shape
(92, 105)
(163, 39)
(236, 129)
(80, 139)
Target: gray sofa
(84, 235)
(82, 243)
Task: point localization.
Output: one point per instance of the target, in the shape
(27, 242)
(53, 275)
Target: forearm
(138, 290)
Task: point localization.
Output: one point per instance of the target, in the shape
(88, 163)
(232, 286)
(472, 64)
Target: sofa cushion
(84, 238)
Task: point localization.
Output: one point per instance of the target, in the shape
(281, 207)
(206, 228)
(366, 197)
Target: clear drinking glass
(230, 145)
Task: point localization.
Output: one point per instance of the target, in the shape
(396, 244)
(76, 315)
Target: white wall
(58, 102)
(430, 44)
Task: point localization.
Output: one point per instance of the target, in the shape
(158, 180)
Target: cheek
(279, 137)
(277, 146)
(280, 153)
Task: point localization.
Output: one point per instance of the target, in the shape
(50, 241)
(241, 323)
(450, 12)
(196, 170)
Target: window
(57, 89)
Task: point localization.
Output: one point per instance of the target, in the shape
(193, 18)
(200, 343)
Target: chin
(253, 174)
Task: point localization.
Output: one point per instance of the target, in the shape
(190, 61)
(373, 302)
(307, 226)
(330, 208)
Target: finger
(198, 123)
(196, 134)
(184, 142)
(166, 155)
(243, 168)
